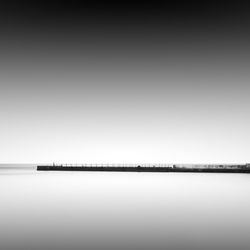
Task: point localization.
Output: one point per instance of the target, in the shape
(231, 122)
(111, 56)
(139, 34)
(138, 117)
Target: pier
(185, 168)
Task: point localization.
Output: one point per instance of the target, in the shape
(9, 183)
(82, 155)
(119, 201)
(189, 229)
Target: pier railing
(149, 165)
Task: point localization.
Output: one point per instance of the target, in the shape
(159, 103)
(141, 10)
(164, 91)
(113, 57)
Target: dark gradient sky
(82, 81)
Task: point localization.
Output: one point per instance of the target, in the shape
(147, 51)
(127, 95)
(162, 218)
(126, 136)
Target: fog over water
(83, 210)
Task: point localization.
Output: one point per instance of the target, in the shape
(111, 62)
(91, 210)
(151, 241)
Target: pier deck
(245, 168)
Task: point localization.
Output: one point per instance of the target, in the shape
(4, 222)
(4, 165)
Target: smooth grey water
(83, 210)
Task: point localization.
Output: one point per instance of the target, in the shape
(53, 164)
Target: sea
(42, 210)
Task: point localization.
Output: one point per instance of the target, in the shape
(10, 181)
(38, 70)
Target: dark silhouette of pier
(185, 168)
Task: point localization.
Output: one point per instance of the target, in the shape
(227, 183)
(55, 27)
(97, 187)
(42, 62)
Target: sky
(155, 82)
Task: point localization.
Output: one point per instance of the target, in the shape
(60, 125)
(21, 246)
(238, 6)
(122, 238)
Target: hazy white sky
(159, 116)
(144, 87)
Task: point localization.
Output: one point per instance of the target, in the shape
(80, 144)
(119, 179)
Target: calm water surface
(84, 210)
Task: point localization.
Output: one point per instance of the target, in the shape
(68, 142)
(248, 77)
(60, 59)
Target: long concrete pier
(186, 168)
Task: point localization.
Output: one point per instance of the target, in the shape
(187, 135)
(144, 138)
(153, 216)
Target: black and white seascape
(124, 126)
